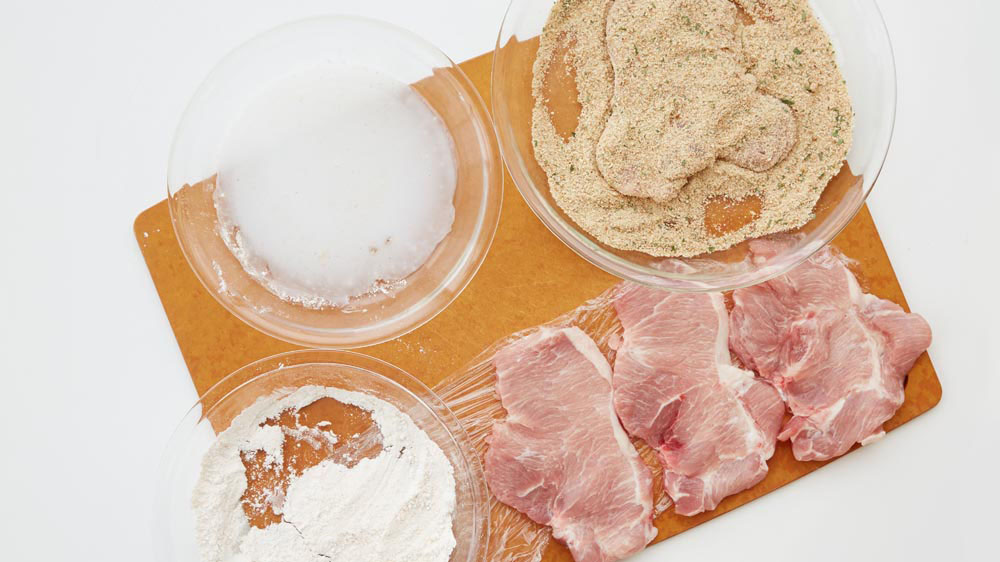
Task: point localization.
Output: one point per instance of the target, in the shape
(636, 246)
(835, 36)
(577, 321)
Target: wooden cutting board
(529, 278)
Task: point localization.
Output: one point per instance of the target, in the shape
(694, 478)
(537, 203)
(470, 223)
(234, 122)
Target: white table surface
(90, 93)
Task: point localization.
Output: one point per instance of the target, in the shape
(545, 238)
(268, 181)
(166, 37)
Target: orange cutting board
(529, 278)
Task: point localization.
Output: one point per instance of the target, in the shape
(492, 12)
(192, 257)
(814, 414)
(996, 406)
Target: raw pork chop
(713, 424)
(561, 457)
(838, 356)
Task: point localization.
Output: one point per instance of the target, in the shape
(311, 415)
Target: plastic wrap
(471, 395)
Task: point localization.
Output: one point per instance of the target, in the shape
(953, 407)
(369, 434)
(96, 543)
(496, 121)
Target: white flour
(396, 506)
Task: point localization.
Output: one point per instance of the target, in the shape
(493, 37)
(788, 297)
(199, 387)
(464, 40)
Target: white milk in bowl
(335, 182)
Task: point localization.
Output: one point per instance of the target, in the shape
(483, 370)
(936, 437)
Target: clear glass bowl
(865, 56)
(397, 53)
(174, 522)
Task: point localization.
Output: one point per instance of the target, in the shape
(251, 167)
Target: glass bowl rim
(464, 269)
(396, 376)
(622, 268)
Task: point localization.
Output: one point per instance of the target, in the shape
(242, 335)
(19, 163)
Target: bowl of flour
(317, 456)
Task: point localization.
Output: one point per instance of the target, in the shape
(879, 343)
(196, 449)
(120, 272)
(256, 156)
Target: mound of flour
(395, 506)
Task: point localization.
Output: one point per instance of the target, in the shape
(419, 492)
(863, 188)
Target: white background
(90, 93)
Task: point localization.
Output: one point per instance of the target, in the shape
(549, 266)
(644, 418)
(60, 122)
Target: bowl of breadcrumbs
(660, 139)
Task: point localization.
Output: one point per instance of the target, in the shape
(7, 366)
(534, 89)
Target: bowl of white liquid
(335, 182)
